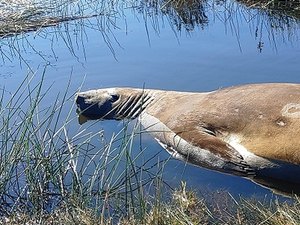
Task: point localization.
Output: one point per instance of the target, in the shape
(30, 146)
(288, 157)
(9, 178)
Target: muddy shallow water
(201, 48)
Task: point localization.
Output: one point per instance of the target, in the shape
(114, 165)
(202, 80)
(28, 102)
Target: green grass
(21, 16)
(53, 174)
(47, 168)
(182, 207)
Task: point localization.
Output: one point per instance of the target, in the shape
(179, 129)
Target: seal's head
(97, 104)
(111, 103)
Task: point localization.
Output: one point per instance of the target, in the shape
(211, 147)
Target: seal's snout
(81, 102)
(79, 99)
(93, 106)
(81, 107)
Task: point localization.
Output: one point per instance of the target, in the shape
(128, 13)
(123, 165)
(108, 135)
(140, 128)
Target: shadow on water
(67, 22)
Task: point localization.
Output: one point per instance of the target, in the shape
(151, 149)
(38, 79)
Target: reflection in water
(55, 21)
(17, 17)
(281, 7)
(187, 14)
(181, 16)
(277, 28)
(49, 44)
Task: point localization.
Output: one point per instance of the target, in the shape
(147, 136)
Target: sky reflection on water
(144, 47)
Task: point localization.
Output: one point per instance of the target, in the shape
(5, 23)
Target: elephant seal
(250, 130)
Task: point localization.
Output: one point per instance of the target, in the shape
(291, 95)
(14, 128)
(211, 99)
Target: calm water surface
(223, 45)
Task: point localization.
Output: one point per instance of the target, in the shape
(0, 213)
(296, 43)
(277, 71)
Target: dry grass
(21, 16)
(49, 176)
(183, 208)
(285, 7)
(186, 207)
(18, 16)
(64, 215)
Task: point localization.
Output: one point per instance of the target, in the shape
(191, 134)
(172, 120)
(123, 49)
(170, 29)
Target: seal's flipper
(205, 139)
(205, 149)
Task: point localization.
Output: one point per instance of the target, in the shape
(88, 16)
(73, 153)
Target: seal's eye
(114, 98)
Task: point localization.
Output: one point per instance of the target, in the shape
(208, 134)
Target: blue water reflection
(222, 54)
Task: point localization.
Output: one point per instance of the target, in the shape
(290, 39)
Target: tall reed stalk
(47, 165)
(51, 173)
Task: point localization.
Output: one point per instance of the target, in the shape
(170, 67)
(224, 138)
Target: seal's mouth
(82, 119)
(84, 116)
(80, 101)
(82, 109)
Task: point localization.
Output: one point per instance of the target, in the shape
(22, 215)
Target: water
(223, 45)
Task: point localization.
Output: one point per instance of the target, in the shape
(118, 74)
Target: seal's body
(251, 130)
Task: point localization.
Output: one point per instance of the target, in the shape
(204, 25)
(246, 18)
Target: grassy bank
(21, 16)
(280, 7)
(71, 21)
(53, 173)
(52, 166)
(183, 207)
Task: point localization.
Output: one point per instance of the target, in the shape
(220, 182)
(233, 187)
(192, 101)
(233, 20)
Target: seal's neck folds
(133, 105)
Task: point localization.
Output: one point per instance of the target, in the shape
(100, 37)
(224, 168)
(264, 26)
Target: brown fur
(253, 112)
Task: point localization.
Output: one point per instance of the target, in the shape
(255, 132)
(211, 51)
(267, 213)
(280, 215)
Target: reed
(51, 173)
(184, 207)
(21, 16)
(187, 207)
(277, 7)
(48, 169)
(71, 22)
